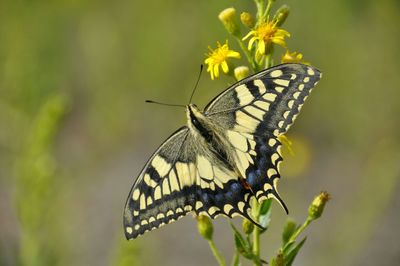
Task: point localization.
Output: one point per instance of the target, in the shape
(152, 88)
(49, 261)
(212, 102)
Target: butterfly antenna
(197, 83)
(166, 104)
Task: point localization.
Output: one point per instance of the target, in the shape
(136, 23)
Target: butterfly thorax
(205, 130)
(197, 122)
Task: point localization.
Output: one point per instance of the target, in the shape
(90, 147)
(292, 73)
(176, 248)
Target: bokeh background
(75, 131)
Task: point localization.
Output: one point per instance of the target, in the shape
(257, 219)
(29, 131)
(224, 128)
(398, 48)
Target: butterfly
(225, 155)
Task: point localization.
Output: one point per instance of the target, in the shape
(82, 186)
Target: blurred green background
(75, 131)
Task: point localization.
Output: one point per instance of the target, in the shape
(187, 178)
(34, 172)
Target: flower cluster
(263, 33)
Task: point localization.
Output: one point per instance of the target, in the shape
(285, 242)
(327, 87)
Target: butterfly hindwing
(218, 186)
(257, 159)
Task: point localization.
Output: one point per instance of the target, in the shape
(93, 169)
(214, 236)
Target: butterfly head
(192, 109)
(193, 113)
(196, 119)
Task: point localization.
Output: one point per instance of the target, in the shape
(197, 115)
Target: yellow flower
(217, 57)
(265, 35)
(294, 57)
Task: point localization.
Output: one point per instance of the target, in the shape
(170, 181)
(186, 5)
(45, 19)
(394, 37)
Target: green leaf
(264, 221)
(288, 230)
(265, 206)
(288, 247)
(241, 244)
(291, 255)
(265, 214)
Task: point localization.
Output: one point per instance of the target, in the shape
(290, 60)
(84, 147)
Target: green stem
(247, 53)
(236, 257)
(299, 231)
(256, 234)
(260, 10)
(268, 60)
(256, 246)
(267, 10)
(217, 255)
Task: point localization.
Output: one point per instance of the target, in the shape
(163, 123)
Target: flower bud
(247, 226)
(247, 19)
(281, 14)
(317, 206)
(228, 18)
(241, 72)
(205, 227)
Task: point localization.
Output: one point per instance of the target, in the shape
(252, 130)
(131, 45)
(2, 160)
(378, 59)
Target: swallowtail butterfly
(225, 155)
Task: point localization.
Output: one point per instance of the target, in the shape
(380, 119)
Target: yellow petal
(250, 45)
(279, 41)
(282, 32)
(209, 68)
(261, 47)
(216, 71)
(225, 67)
(248, 35)
(233, 54)
(212, 75)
